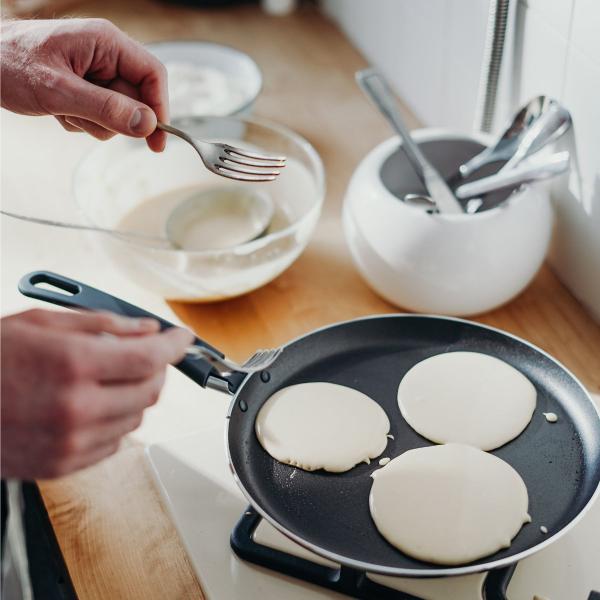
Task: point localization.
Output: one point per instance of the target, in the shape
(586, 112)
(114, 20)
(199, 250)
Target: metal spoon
(220, 218)
(376, 88)
(551, 124)
(251, 210)
(517, 140)
(536, 170)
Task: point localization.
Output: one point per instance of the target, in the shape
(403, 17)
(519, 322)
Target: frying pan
(328, 513)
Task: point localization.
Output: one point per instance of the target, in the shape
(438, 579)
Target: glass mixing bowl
(113, 182)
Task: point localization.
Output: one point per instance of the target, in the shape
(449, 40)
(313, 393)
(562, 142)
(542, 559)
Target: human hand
(69, 393)
(88, 74)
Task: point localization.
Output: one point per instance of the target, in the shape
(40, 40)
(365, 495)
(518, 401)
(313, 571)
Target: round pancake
(466, 398)
(448, 504)
(322, 426)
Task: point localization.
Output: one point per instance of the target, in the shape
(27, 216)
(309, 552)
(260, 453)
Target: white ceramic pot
(449, 264)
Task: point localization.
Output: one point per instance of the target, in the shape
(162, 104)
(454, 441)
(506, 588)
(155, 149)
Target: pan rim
(398, 571)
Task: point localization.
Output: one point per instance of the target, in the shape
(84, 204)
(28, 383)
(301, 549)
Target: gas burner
(344, 580)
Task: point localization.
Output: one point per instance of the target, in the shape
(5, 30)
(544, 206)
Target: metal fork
(259, 361)
(229, 161)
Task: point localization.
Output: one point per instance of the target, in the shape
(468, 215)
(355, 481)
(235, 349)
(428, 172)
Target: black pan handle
(76, 295)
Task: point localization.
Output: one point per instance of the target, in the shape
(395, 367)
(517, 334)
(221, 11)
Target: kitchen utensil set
(540, 122)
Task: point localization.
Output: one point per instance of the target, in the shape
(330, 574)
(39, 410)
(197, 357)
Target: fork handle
(173, 130)
(76, 295)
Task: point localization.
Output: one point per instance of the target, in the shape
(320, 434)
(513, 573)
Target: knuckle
(105, 320)
(68, 414)
(144, 361)
(138, 420)
(36, 315)
(100, 25)
(155, 389)
(71, 365)
(161, 71)
(111, 108)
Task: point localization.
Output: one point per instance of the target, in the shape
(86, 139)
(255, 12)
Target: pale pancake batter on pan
(322, 426)
(467, 398)
(448, 504)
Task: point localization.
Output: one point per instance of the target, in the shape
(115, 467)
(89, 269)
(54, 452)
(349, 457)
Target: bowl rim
(389, 146)
(247, 103)
(240, 249)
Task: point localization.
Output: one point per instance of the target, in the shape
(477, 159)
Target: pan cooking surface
(559, 462)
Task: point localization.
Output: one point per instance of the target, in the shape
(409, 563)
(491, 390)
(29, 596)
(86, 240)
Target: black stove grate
(344, 580)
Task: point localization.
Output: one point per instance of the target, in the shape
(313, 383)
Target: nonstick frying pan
(329, 513)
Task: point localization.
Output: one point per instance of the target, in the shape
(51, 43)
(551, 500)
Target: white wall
(431, 50)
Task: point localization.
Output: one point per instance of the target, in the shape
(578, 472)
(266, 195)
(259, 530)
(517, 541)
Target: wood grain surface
(116, 538)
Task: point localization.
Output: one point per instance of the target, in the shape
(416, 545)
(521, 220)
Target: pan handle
(74, 294)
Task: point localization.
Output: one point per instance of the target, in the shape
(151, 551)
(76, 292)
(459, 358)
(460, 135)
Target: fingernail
(141, 122)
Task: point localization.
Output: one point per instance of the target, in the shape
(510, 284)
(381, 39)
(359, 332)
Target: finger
(93, 457)
(119, 402)
(93, 322)
(97, 131)
(157, 140)
(142, 69)
(135, 358)
(116, 112)
(107, 431)
(66, 125)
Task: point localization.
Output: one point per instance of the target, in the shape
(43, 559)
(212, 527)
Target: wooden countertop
(117, 540)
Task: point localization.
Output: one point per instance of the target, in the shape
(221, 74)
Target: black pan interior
(559, 462)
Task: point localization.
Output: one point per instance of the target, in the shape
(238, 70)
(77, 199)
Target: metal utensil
(421, 201)
(551, 124)
(220, 218)
(513, 139)
(131, 235)
(231, 161)
(376, 88)
(259, 361)
(251, 210)
(544, 168)
(507, 143)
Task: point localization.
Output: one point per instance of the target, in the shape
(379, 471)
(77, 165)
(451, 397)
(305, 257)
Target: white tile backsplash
(432, 51)
(556, 13)
(585, 34)
(541, 57)
(424, 51)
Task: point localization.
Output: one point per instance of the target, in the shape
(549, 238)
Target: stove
(238, 556)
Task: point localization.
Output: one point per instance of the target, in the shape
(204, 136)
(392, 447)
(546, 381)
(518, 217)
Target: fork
(230, 161)
(259, 361)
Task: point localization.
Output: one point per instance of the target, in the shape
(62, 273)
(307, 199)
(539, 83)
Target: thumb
(108, 108)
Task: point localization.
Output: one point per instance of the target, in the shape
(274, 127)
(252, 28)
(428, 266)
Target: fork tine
(240, 168)
(249, 162)
(256, 359)
(261, 359)
(247, 154)
(239, 176)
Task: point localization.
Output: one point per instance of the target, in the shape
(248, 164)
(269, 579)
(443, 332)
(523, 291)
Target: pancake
(322, 426)
(467, 398)
(449, 504)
